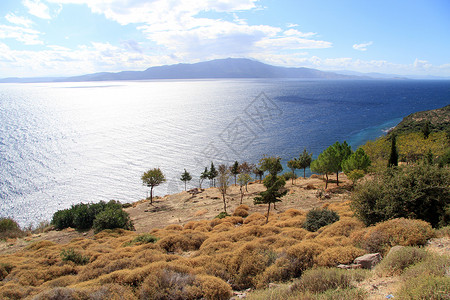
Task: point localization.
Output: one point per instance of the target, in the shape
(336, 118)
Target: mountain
(219, 68)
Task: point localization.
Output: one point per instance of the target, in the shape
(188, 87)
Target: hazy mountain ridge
(219, 68)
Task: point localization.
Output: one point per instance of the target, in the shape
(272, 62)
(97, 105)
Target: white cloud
(27, 36)
(290, 25)
(12, 18)
(362, 47)
(421, 64)
(37, 8)
(295, 32)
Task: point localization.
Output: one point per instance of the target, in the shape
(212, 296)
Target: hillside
(439, 120)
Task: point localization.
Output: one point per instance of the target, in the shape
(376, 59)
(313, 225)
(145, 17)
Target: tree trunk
(235, 179)
(185, 185)
(151, 195)
(337, 177)
(242, 194)
(246, 189)
(268, 211)
(326, 181)
(304, 173)
(224, 203)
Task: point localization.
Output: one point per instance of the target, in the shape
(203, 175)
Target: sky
(75, 37)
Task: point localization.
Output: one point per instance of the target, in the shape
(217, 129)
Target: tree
(320, 166)
(331, 159)
(275, 190)
(292, 164)
(203, 176)
(304, 161)
(224, 181)
(212, 174)
(235, 170)
(272, 182)
(258, 172)
(358, 160)
(426, 129)
(393, 157)
(185, 177)
(246, 168)
(152, 178)
(243, 179)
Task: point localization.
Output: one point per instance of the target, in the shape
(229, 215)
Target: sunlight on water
(64, 143)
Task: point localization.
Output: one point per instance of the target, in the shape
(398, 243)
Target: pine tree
(393, 158)
(359, 160)
(213, 174)
(275, 190)
(304, 161)
(203, 176)
(224, 181)
(426, 130)
(292, 164)
(185, 177)
(235, 170)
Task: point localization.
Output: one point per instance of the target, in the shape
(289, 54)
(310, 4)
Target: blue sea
(65, 143)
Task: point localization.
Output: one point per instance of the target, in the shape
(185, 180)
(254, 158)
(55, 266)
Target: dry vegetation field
(180, 251)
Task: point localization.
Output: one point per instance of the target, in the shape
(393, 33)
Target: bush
(403, 232)
(63, 219)
(323, 279)
(222, 215)
(426, 287)
(5, 269)
(334, 256)
(142, 239)
(74, 256)
(415, 192)
(9, 229)
(317, 218)
(111, 218)
(397, 261)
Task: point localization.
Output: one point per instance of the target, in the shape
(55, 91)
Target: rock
(368, 261)
(394, 249)
(350, 267)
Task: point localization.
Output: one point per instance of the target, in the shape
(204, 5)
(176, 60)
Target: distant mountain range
(219, 68)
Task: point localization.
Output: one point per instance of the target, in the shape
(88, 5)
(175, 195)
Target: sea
(66, 143)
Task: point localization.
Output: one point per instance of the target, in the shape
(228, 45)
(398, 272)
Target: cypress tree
(393, 158)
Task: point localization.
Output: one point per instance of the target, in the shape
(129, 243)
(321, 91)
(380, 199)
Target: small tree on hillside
(234, 169)
(152, 178)
(212, 175)
(292, 164)
(393, 157)
(258, 172)
(304, 161)
(243, 179)
(426, 130)
(358, 160)
(203, 176)
(272, 165)
(275, 190)
(321, 166)
(246, 168)
(185, 177)
(224, 181)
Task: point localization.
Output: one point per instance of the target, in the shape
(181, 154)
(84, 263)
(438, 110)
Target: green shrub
(323, 279)
(426, 287)
(74, 256)
(9, 229)
(112, 217)
(397, 261)
(142, 239)
(222, 215)
(81, 216)
(62, 219)
(317, 218)
(415, 192)
(433, 264)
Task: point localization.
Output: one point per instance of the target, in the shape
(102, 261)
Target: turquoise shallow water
(64, 143)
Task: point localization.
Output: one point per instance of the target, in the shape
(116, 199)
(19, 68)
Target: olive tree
(152, 178)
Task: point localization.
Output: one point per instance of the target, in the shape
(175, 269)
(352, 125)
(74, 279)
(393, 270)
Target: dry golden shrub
(296, 221)
(295, 233)
(192, 225)
(401, 231)
(292, 212)
(217, 247)
(311, 235)
(214, 288)
(255, 219)
(185, 241)
(244, 207)
(282, 243)
(344, 227)
(334, 241)
(303, 255)
(281, 271)
(239, 212)
(342, 208)
(12, 290)
(225, 226)
(40, 245)
(81, 243)
(103, 265)
(111, 292)
(60, 282)
(334, 256)
(175, 227)
(146, 256)
(248, 233)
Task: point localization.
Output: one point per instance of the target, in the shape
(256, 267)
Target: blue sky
(72, 37)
